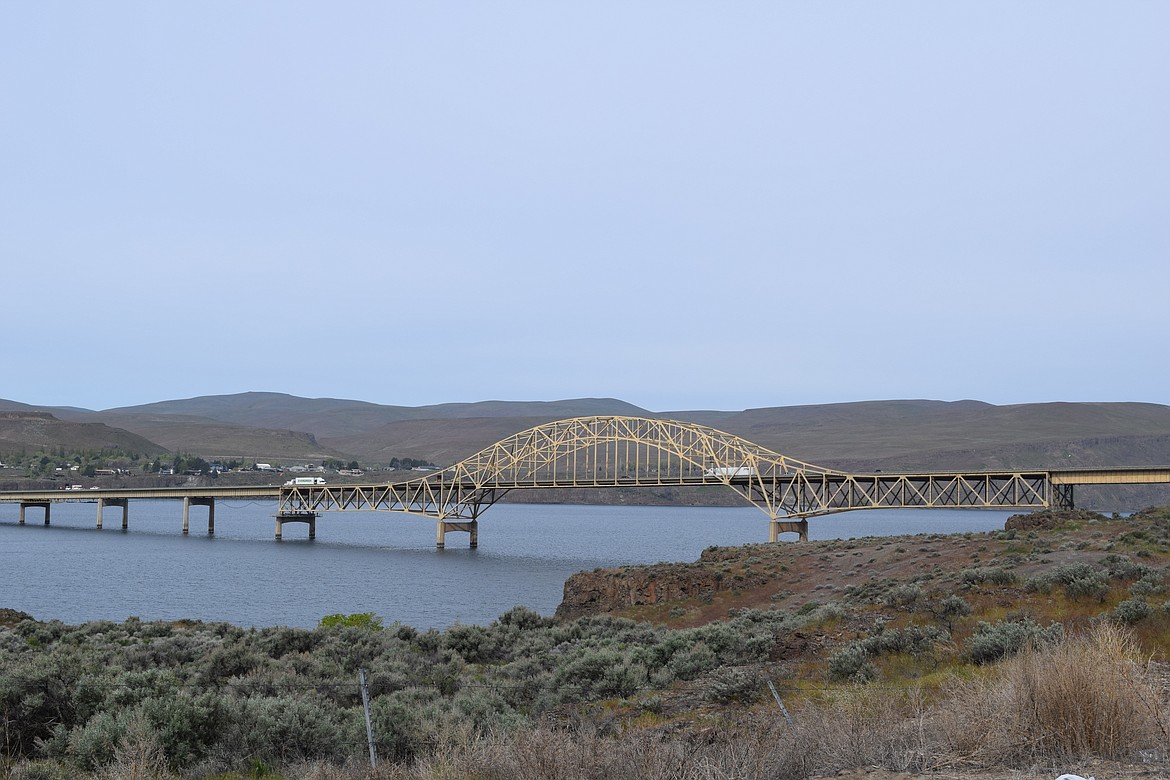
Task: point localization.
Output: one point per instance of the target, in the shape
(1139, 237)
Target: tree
(367, 620)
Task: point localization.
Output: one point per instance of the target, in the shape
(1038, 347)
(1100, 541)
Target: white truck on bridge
(306, 481)
(733, 471)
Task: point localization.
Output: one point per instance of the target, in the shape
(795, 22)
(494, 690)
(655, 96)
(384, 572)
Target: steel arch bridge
(615, 451)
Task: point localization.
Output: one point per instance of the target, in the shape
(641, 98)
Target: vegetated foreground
(1023, 653)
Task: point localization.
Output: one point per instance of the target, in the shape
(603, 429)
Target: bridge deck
(1117, 476)
(1097, 476)
(271, 492)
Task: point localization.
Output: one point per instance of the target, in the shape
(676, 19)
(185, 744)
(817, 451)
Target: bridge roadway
(304, 503)
(121, 497)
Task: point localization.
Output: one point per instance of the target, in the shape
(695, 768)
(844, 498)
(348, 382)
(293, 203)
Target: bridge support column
(207, 502)
(122, 502)
(444, 527)
(42, 504)
(1062, 496)
(789, 526)
(308, 518)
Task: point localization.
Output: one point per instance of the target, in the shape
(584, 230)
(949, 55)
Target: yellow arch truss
(617, 451)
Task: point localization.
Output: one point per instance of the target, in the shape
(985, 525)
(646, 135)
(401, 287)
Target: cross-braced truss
(636, 452)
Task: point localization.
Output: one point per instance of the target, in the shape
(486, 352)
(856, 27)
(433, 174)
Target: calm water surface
(367, 562)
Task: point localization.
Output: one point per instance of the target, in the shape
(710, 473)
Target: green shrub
(691, 662)
(852, 663)
(730, 684)
(484, 711)
(185, 724)
(366, 620)
(1149, 585)
(949, 609)
(1094, 587)
(1080, 581)
(92, 744)
(523, 618)
(284, 729)
(1121, 567)
(281, 641)
(905, 597)
(992, 642)
(988, 575)
(1132, 611)
(475, 644)
(399, 726)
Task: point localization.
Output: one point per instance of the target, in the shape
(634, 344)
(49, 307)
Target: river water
(378, 562)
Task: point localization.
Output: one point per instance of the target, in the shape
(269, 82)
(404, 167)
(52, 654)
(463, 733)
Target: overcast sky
(683, 205)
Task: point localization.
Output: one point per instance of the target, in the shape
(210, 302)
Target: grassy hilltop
(1043, 647)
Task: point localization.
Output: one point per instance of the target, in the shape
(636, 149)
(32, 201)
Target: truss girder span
(901, 491)
(613, 451)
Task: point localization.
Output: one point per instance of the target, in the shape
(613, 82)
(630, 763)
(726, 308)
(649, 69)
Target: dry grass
(886, 728)
(1091, 697)
(1088, 696)
(760, 749)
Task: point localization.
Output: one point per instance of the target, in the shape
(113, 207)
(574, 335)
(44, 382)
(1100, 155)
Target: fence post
(783, 709)
(369, 727)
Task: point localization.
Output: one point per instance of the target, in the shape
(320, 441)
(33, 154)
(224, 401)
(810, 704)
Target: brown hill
(318, 416)
(332, 418)
(33, 431)
(440, 441)
(212, 439)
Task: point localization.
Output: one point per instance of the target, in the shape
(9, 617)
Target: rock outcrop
(1048, 519)
(609, 590)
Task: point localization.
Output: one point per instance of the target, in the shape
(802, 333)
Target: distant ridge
(858, 436)
(920, 434)
(334, 417)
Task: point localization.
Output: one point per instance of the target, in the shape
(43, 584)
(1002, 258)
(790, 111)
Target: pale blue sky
(684, 205)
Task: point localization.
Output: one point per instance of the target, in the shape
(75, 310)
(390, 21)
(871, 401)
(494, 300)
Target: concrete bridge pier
(189, 502)
(122, 502)
(309, 518)
(789, 526)
(445, 527)
(42, 504)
